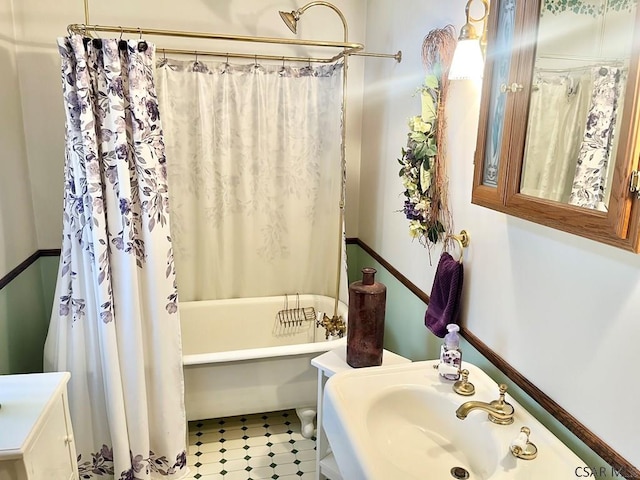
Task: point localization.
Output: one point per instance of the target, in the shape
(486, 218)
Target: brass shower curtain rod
(291, 19)
(348, 48)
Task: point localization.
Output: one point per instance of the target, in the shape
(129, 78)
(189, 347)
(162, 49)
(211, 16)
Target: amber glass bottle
(365, 330)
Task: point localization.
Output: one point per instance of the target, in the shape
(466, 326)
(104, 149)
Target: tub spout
(499, 411)
(333, 326)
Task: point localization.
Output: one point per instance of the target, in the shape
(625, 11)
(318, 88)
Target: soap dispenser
(450, 354)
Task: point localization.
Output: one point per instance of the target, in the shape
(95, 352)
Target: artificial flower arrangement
(423, 164)
(418, 172)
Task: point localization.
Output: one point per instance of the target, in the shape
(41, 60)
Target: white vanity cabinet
(36, 438)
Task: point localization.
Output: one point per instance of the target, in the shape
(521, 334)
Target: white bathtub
(239, 359)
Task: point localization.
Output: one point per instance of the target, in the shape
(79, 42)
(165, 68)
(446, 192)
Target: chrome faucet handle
(521, 447)
(463, 386)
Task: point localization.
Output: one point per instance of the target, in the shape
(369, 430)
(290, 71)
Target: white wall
(562, 310)
(17, 229)
(38, 24)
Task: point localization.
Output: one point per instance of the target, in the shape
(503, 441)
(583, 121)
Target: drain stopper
(459, 473)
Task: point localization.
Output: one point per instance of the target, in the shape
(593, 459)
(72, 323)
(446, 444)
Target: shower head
(290, 19)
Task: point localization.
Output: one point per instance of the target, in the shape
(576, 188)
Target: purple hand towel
(444, 303)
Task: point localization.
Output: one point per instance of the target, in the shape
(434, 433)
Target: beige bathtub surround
(250, 447)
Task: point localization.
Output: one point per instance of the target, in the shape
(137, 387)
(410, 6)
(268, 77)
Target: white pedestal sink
(399, 422)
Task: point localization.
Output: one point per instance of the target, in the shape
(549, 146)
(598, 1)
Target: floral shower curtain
(115, 324)
(255, 172)
(591, 173)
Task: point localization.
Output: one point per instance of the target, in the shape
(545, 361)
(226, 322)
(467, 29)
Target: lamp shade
(467, 61)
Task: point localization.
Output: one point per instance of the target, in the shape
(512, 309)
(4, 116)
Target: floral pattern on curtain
(255, 170)
(590, 178)
(115, 323)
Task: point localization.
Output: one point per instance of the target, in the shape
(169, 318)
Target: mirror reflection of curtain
(596, 147)
(558, 110)
(254, 164)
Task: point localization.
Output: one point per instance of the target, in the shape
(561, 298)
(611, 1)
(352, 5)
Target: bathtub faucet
(334, 326)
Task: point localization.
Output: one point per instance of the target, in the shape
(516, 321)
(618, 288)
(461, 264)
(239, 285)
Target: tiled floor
(251, 447)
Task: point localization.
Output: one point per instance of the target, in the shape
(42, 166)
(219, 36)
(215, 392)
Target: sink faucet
(499, 411)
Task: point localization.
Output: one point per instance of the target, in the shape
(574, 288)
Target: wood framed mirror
(558, 137)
